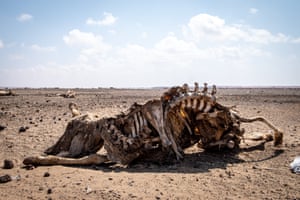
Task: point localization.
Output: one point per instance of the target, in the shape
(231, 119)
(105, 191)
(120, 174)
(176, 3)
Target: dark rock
(6, 178)
(2, 127)
(8, 164)
(22, 129)
(49, 191)
(46, 174)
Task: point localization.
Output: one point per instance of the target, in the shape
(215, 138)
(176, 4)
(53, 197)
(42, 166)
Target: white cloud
(42, 49)
(91, 46)
(1, 44)
(76, 37)
(172, 44)
(204, 27)
(24, 17)
(253, 11)
(183, 57)
(108, 19)
(296, 40)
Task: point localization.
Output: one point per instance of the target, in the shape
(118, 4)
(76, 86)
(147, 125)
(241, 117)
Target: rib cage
(181, 119)
(206, 120)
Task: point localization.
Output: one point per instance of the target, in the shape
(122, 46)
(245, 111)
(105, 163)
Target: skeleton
(8, 92)
(153, 130)
(68, 94)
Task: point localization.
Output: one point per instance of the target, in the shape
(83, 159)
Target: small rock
(2, 127)
(22, 129)
(6, 178)
(46, 174)
(8, 164)
(49, 191)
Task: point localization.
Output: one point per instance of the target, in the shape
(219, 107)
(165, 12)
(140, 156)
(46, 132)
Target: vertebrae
(177, 94)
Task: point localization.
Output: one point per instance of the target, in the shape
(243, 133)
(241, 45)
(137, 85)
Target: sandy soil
(254, 173)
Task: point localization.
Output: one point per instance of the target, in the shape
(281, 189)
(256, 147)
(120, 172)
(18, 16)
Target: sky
(140, 43)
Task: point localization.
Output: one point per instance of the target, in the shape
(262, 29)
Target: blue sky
(139, 43)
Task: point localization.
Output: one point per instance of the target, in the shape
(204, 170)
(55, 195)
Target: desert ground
(251, 173)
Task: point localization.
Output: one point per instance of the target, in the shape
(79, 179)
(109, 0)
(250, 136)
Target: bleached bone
(74, 109)
(278, 135)
(68, 94)
(93, 159)
(7, 93)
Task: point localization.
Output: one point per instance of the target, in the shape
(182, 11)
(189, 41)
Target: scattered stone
(6, 178)
(110, 178)
(46, 174)
(49, 191)
(22, 129)
(2, 127)
(8, 164)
